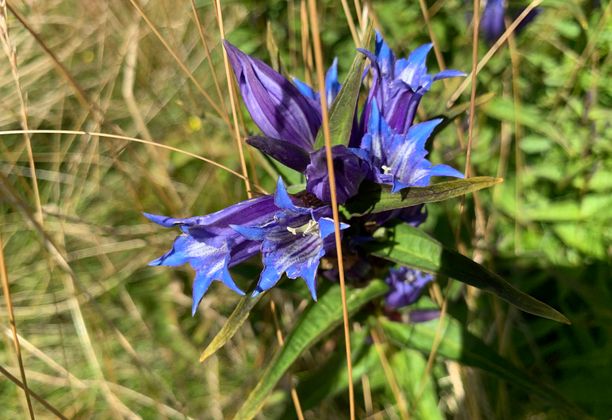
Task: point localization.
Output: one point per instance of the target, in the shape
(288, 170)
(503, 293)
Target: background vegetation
(104, 335)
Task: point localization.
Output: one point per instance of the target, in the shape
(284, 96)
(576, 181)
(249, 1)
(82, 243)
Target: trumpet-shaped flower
(399, 159)
(293, 242)
(275, 104)
(399, 84)
(210, 244)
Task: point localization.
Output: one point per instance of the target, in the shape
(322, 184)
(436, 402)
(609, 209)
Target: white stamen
(310, 228)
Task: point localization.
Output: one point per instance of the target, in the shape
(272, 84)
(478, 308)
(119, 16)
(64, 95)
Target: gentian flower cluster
(293, 232)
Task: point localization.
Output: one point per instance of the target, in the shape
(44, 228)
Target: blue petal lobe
(309, 274)
(332, 85)
(445, 170)
(327, 226)
(446, 74)
(201, 284)
(253, 233)
(305, 90)
(283, 200)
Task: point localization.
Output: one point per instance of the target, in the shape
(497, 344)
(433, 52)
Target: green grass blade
(413, 247)
(234, 322)
(316, 321)
(375, 199)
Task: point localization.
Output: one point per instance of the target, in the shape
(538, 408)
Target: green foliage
(105, 336)
(373, 198)
(412, 247)
(458, 344)
(316, 321)
(342, 110)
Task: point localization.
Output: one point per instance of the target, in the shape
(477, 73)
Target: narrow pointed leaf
(331, 378)
(413, 247)
(460, 345)
(234, 322)
(316, 321)
(374, 198)
(342, 112)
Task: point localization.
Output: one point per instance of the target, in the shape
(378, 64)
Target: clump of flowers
(293, 232)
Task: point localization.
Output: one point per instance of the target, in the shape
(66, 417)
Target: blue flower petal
(309, 274)
(445, 170)
(415, 68)
(332, 85)
(306, 90)
(446, 74)
(164, 221)
(283, 151)
(327, 226)
(283, 200)
(201, 283)
(405, 286)
(384, 56)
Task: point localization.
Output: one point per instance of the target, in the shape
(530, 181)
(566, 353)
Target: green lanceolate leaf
(342, 111)
(316, 321)
(331, 378)
(460, 345)
(413, 247)
(374, 198)
(234, 322)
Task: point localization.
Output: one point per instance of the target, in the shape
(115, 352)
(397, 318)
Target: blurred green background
(103, 335)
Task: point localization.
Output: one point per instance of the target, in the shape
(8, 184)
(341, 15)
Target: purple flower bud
(351, 167)
(417, 316)
(405, 286)
(275, 104)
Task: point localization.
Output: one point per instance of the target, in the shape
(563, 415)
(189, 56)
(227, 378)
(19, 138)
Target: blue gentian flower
(291, 237)
(405, 286)
(211, 245)
(292, 242)
(399, 159)
(492, 23)
(275, 104)
(399, 84)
